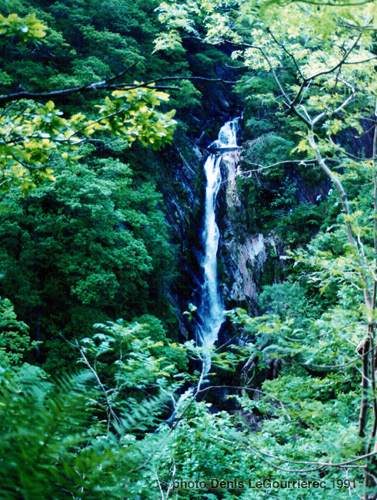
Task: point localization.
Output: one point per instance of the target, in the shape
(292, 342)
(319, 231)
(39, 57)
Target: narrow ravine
(211, 308)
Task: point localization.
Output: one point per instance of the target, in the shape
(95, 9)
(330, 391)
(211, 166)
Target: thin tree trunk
(364, 385)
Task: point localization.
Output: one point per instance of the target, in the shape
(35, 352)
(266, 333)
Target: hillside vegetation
(100, 394)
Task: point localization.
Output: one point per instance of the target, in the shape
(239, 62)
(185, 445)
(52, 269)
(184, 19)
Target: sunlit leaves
(28, 138)
(34, 135)
(214, 15)
(31, 137)
(25, 29)
(132, 115)
(178, 15)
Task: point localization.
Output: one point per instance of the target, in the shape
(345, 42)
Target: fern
(52, 446)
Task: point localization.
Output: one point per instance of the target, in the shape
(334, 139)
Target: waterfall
(211, 309)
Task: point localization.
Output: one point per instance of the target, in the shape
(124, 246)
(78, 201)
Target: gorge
(187, 298)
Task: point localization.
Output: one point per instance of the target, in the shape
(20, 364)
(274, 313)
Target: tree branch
(286, 51)
(364, 396)
(337, 4)
(105, 85)
(340, 63)
(108, 403)
(318, 465)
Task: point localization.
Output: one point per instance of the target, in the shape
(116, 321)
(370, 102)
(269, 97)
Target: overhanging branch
(105, 85)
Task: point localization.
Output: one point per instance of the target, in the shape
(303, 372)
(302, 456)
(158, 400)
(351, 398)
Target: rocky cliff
(244, 256)
(245, 259)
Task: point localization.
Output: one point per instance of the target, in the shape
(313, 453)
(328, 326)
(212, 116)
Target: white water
(211, 309)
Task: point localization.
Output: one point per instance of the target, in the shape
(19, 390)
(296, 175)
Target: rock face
(245, 261)
(183, 197)
(244, 257)
(248, 259)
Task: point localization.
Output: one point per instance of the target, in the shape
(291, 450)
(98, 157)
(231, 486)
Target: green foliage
(14, 336)
(33, 134)
(92, 246)
(132, 115)
(307, 414)
(287, 300)
(285, 195)
(31, 137)
(85, 435)
(267, 150)
(135, 354)
(299, 224)
(54, 447)
(187, 98)
(25, 29)
(49, 426)
(90, 241)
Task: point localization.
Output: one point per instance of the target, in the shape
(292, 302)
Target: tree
(32, 134)
(89, 247)
(14, 337)
(40, 142)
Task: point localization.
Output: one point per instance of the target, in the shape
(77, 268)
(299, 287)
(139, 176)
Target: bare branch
(339, 63)
(318, 465)
(337, 4)
(339, 108)
(86, 361)
(287, 52)
(4, 182)
(105, 85)
(64, 92)
(364, 395)
(263, 52)
(361, 61)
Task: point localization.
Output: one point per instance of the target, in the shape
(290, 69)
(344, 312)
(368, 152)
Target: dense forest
(108, 112)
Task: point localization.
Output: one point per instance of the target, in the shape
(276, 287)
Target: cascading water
(210, 310)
